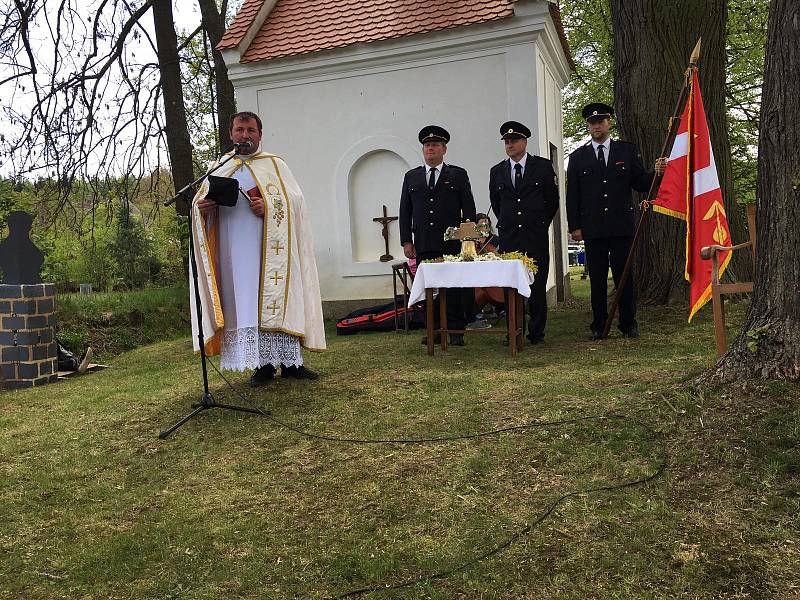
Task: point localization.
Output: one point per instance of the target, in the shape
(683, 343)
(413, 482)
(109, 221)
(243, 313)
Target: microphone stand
(207, 402)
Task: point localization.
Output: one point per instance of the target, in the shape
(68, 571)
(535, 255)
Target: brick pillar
(28, 353)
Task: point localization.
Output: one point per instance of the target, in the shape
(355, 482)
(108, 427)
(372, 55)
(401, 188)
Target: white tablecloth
(484, 273)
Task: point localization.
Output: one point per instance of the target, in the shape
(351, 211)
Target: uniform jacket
(599, 198)
(427, 214)
(524, 215)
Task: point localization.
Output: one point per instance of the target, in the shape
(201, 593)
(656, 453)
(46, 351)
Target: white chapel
(344, 86)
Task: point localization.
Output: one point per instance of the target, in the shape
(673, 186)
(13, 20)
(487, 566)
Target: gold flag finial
(693, 60)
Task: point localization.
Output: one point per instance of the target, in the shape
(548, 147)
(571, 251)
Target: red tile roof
(240, 25)
(302, 26)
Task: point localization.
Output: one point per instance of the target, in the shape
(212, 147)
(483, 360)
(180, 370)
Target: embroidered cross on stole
(276, 249)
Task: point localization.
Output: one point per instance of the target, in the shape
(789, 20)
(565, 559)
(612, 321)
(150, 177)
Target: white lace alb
(249, 348)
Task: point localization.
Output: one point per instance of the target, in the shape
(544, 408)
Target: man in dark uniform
(600, 211)
(436, 196)
(523, 192)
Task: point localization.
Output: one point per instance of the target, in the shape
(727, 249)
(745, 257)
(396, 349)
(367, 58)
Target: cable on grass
(536, 424)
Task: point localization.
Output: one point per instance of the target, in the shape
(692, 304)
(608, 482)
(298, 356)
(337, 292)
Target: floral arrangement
(482, 230)
(529, 263)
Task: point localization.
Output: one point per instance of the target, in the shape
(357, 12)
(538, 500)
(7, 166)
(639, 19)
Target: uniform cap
(514, 130)
(597, 110)
(433, 133)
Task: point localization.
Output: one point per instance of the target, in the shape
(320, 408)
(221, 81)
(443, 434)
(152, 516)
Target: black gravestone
(20, 259)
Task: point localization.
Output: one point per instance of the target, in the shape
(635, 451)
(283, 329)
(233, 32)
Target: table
(511, 275)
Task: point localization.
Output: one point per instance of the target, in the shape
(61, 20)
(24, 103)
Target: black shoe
(535, 339)
(437, 339)
(596, 335)
(298, 373)
(262, 376)
(631, 332)
(456, 339)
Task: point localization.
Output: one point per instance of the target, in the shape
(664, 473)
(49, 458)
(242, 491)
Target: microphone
(239, 146)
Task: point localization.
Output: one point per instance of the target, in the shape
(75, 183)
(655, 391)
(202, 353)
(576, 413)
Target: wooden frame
(402, 274)
(515, 320)
(718, 289)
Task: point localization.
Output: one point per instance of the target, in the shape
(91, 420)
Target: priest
(257, 275)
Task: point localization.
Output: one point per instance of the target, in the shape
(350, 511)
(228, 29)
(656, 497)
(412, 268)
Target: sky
(187, 19)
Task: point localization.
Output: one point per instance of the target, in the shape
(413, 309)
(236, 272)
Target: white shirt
(606, 148)
(522, 162)
(438, 172)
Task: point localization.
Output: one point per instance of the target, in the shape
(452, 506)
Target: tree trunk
(214, 24)
(768, 346)
(652, 44)
(179, 143)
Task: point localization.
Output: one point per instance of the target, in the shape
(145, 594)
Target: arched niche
(374, 182)
(369, 175)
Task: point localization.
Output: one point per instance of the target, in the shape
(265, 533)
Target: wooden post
(520, 304)
(443, 317)
(429, 318)
(718, 308)
(511, 320)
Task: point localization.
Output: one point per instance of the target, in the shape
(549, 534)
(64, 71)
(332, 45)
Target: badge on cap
(596, 110)
(434, 133)
(514, 130)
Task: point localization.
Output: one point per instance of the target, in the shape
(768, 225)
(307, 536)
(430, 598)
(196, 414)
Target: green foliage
(99, 239)
(588, 27)
(755, 337)
(589, 31)
(747, 35)
(6, 200)
(133, 250)
(112, 323)
(197, 72)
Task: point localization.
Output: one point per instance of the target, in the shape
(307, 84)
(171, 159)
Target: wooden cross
(385, 220)
(277, 247)
(466, 231)
(274, 308)
(276, 277)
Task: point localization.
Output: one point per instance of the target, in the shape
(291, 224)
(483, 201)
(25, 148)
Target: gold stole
(276, 269)
(275, 249)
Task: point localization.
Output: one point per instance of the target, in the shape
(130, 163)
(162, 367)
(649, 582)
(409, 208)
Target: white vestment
(257, 276)
(243, 345)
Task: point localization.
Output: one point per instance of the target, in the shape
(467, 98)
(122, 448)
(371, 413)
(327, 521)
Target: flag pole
(666, 149)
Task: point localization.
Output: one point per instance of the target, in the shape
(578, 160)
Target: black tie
(517, 176)
(601, 156)
(432, 180)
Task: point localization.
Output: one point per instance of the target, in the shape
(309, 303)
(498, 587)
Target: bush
(112, 323)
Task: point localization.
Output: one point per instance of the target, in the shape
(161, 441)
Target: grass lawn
(94, 505)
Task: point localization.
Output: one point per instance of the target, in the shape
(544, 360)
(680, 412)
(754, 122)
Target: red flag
(690, 191)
